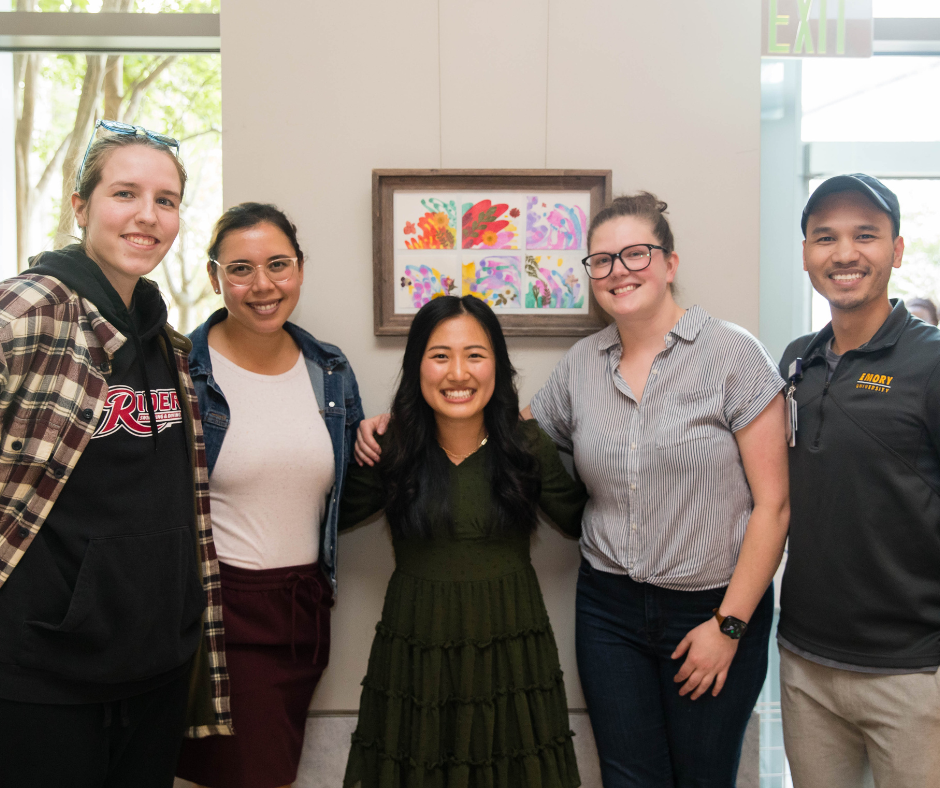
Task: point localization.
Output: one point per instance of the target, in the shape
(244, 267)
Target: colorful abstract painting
(554, 282)
(496, 279)
(492, 222)
(425, 221)
(557, 221)
(417, 283)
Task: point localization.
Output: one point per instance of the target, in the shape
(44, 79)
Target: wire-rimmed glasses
(116, 127)
(242, 274)
(635, 257)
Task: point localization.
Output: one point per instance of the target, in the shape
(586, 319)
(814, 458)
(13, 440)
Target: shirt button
(59, 472)
(329, 372)
(655, 371)
(23, 532)
(332, 404)
(87, 415)
(16, 445)
(632, 526)
(633, 445)
(632, 486)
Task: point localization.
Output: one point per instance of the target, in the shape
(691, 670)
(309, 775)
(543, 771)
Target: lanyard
(795, 373)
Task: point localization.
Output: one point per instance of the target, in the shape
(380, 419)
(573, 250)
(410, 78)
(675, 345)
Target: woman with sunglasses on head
(463, 687)
(109, 647)
(676, 423)
(279, 410)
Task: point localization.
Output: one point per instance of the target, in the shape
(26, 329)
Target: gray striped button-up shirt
(669, 498)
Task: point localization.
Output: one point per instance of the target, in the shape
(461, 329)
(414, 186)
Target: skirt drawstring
(295, 580)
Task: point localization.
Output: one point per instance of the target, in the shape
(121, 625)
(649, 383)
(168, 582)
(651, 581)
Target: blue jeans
(647, 735)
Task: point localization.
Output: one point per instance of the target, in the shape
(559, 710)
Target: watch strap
(733, 627)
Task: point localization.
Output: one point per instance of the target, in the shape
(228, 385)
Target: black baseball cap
(875, 190)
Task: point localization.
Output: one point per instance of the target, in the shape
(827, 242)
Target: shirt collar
(688, 328)
(884, 337)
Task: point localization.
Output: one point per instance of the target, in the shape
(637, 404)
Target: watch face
(733, 627)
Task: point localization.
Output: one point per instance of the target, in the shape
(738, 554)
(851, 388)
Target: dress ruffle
(464, 688)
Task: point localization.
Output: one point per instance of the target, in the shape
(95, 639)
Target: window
(57, 96)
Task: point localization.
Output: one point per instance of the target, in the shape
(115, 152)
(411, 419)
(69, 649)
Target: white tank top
(271, 482)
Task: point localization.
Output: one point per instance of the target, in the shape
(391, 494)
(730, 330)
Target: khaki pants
(844, 729)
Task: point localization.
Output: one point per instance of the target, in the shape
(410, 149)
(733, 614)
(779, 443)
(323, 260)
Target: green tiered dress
(464, 688)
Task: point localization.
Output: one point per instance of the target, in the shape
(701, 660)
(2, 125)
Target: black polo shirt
(862, 581)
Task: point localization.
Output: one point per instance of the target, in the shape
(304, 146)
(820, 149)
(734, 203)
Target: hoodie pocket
(135, 612)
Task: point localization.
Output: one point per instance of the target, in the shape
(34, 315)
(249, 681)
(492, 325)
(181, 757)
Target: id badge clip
(796, 372)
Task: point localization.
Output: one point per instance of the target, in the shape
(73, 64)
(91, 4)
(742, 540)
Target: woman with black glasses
(109, 600)
(676, 423)
(279, 410)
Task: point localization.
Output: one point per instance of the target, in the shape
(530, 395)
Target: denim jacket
(337, 393)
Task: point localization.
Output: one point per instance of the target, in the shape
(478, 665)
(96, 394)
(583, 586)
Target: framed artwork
(513, 238)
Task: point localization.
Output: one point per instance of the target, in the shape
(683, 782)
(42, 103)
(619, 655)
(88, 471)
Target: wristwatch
(733, 627)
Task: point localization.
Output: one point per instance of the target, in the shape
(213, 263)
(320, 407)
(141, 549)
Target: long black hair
(414, 468)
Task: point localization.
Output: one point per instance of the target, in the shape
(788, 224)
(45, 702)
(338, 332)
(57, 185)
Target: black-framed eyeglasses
(242, 274)
(635, 257)
(117, 127)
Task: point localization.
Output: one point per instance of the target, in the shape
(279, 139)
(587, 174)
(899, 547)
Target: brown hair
(104, 146)
(249, 214)
(643, 205)
(923, 303)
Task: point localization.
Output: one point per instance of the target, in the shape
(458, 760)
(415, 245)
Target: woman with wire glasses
(676, 423)
(109, 603)
(279, 411)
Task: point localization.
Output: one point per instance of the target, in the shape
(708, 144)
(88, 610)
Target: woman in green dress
(464, 687)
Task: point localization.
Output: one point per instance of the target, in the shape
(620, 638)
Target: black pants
(130, 743)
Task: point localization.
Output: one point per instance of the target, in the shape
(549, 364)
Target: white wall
(316, 94)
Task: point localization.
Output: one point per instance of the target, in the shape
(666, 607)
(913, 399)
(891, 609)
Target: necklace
(464, 456)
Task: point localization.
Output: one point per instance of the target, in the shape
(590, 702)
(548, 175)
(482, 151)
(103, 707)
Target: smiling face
(458, 370)
(632, 294)
(263, 306)
(849, 252)
(132, 217)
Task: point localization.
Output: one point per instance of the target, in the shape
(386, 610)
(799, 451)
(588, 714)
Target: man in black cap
(859, 626)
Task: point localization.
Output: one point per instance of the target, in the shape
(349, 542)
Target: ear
(898, 252)
(80, 209)
(213, 271)
(804, 256)
(300, 271)
(672, 266)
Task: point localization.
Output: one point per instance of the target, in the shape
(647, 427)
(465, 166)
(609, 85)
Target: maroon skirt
(277, 644)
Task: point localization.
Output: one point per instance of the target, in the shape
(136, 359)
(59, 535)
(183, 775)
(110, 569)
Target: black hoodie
(107, 602)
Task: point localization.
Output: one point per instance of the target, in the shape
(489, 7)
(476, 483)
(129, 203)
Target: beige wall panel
(493, 67)
(317, 94)
(667, 94)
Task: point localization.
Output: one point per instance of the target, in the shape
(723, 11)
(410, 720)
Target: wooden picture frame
(512, 237)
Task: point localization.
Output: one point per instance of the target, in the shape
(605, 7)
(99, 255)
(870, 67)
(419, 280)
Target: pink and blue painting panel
(496, 279)
(557, 221)
(419, 282)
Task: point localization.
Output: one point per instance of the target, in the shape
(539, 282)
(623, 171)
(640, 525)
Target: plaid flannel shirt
(55, 354)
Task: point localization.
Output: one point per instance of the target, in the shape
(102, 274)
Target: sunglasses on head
(116, 127)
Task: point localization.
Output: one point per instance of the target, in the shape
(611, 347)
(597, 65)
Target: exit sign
(817, 28)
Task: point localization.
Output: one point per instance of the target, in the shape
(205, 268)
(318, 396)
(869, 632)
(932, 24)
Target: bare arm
(526, 413)
(763, 448)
